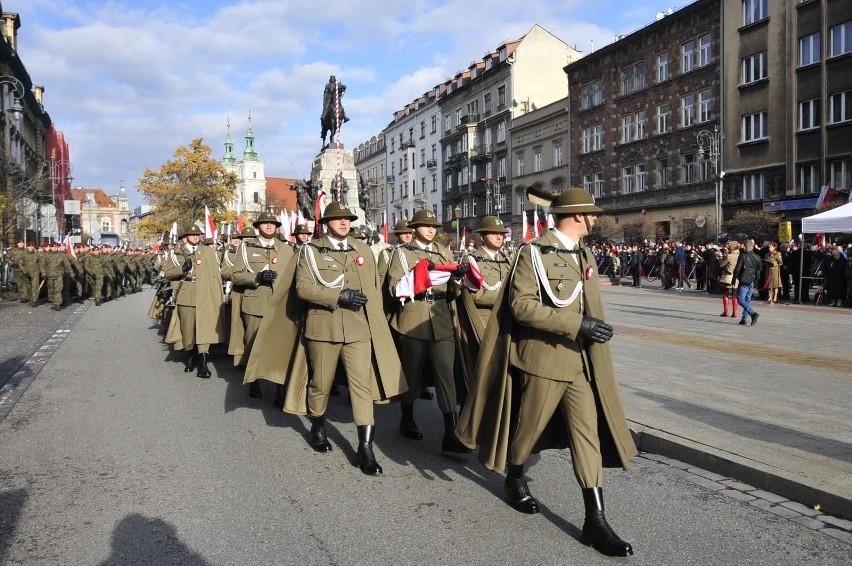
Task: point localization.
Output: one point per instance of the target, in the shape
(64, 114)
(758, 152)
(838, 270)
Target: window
(809, 49)
(256, 198)
(705, 53)
(599, 184)
(434, 183)
(423, 157)
(434, 151)
(754, 68)
(627, 128)
(520, 164)
(809, 114)
(662, 67)
(597, 137)
(586, 140)
(537, 161)
(640, 177)
(704, 106)
(458, 116)
(839, 171)
(465, 208)
(687, 111)
(841, 39)
(487, 103)
(641, 125)
(808, 179)
(663, 116)
(501, 167)
(501, 132)
(687, 56)
(557, 156)
(422, 130)
(754, 127)
(689, 168)
(627, 180)
(448, 124)
(586, 97)
(840, 107)
(753, 186)
(597, 93)
(639, 76)
(662, 173)
(435, 210)
(473, 206)
(627, 80)
(501, 97)
(588, 185)
(434, 124)
(753, 11)
(449, 182)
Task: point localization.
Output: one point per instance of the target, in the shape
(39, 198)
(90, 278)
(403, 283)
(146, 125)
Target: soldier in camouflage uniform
(54, 265)
(13, 256)
(75, 281)
(96, 274)
(30, 275)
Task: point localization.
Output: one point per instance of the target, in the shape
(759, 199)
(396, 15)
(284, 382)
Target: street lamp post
(710, 144)
(457, 212)
(492, 195)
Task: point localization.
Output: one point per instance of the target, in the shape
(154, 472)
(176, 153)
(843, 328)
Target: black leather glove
(187, 265)
(431, 265)
(351, 299)
(595, 330)
(14, 265)
(462, 269)
(266, 277)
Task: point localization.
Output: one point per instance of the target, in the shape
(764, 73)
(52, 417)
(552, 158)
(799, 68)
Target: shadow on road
(11, 505)
(755, 429)
(141, 540)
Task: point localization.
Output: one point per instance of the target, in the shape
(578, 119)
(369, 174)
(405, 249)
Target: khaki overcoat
(508, 348)
(201, 288)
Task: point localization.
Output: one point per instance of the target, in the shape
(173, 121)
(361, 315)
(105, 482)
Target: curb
(724, 463)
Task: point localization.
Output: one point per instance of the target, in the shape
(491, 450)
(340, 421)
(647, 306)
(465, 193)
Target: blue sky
(128, 81)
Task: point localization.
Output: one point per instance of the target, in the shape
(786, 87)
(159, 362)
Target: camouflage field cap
(190, 230)
(401, 227)
(491, 225)
(336, 211)
(423, 217)
(266, 217)
(574, 201)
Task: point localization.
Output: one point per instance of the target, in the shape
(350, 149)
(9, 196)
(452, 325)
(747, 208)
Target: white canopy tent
(831, 221)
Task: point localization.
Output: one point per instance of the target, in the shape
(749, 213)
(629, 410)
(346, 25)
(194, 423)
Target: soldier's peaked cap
(423, 217)
(190, 230)
(336, 211)
(491, 225)
(574, 201)
(266, 217)
(402, 227)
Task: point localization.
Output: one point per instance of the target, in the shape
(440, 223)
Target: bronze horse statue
(332, 109)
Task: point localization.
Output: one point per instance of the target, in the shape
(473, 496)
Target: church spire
(250, 154)
(228, 158)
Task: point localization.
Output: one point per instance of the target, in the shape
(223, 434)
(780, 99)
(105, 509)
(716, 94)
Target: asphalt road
(114, 456)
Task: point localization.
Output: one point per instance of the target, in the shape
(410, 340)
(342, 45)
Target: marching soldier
(492, 263)
(14, 256)
(404, 234)
(303, 236)
(30, 274)
(336, 276)
(548, 336)
(259, 262)
(54, 266)
(198, 296)
(426, 328)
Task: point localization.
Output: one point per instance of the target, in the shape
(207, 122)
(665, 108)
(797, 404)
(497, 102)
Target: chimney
(38, 91)
(11, 23)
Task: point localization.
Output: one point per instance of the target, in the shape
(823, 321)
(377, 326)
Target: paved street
(113, 455)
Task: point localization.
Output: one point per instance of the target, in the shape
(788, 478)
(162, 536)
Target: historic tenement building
(635, 109)
(371, 160)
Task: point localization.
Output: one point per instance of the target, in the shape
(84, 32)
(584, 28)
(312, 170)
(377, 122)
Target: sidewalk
(767, 405)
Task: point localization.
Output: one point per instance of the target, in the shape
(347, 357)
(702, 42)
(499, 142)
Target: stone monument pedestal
(325, 170)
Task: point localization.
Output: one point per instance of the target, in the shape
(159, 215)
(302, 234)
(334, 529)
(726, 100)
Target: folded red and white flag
(419, 279)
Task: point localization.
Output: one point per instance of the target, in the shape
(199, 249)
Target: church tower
(250, 193)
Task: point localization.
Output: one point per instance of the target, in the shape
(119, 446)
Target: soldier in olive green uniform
(492, 263)
(303, 236)
(30, 274)
(198, 296)
(96, 268)
(259, 262)
(425, 324)
(548, 333)
(13, 256)
(54, 266)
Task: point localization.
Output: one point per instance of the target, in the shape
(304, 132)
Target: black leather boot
(319, 439)
(407, 426)
(254, 390)
(203, 370)
(426, 394)
(278, 401)
(596, 531)
(518, 491)
(366, 458)
(451, 443)
(189, 361)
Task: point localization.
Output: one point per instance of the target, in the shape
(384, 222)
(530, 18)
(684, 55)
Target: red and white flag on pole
(209, 225)
(536, 224)
(463, 243)
(69, 246)
(318, 215)
(173, 233)
(240, 225)
(525, 226)
(551, 223)
(385, 225)
(826, 193)
(285, 225)
(421, 278)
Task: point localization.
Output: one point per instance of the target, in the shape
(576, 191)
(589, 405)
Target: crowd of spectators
(674, 264)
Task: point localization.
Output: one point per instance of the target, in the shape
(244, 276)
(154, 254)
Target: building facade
(100, 212)
(250, 192)
(638, 109)
(788, 96)
(371, 161)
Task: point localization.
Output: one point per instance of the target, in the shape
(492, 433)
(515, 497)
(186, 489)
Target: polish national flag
(240, 225)
(536, 224)
(69, 247)
(421, 278)
(209, 225)
(285, 225)
(385, 225)
(525, 226)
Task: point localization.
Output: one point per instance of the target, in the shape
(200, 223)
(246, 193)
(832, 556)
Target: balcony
(389, 178)
(482, 152)
(406, 144)
(456, 160)
(684, 194)
(432, 163)
(372, 181)
(468, 120)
